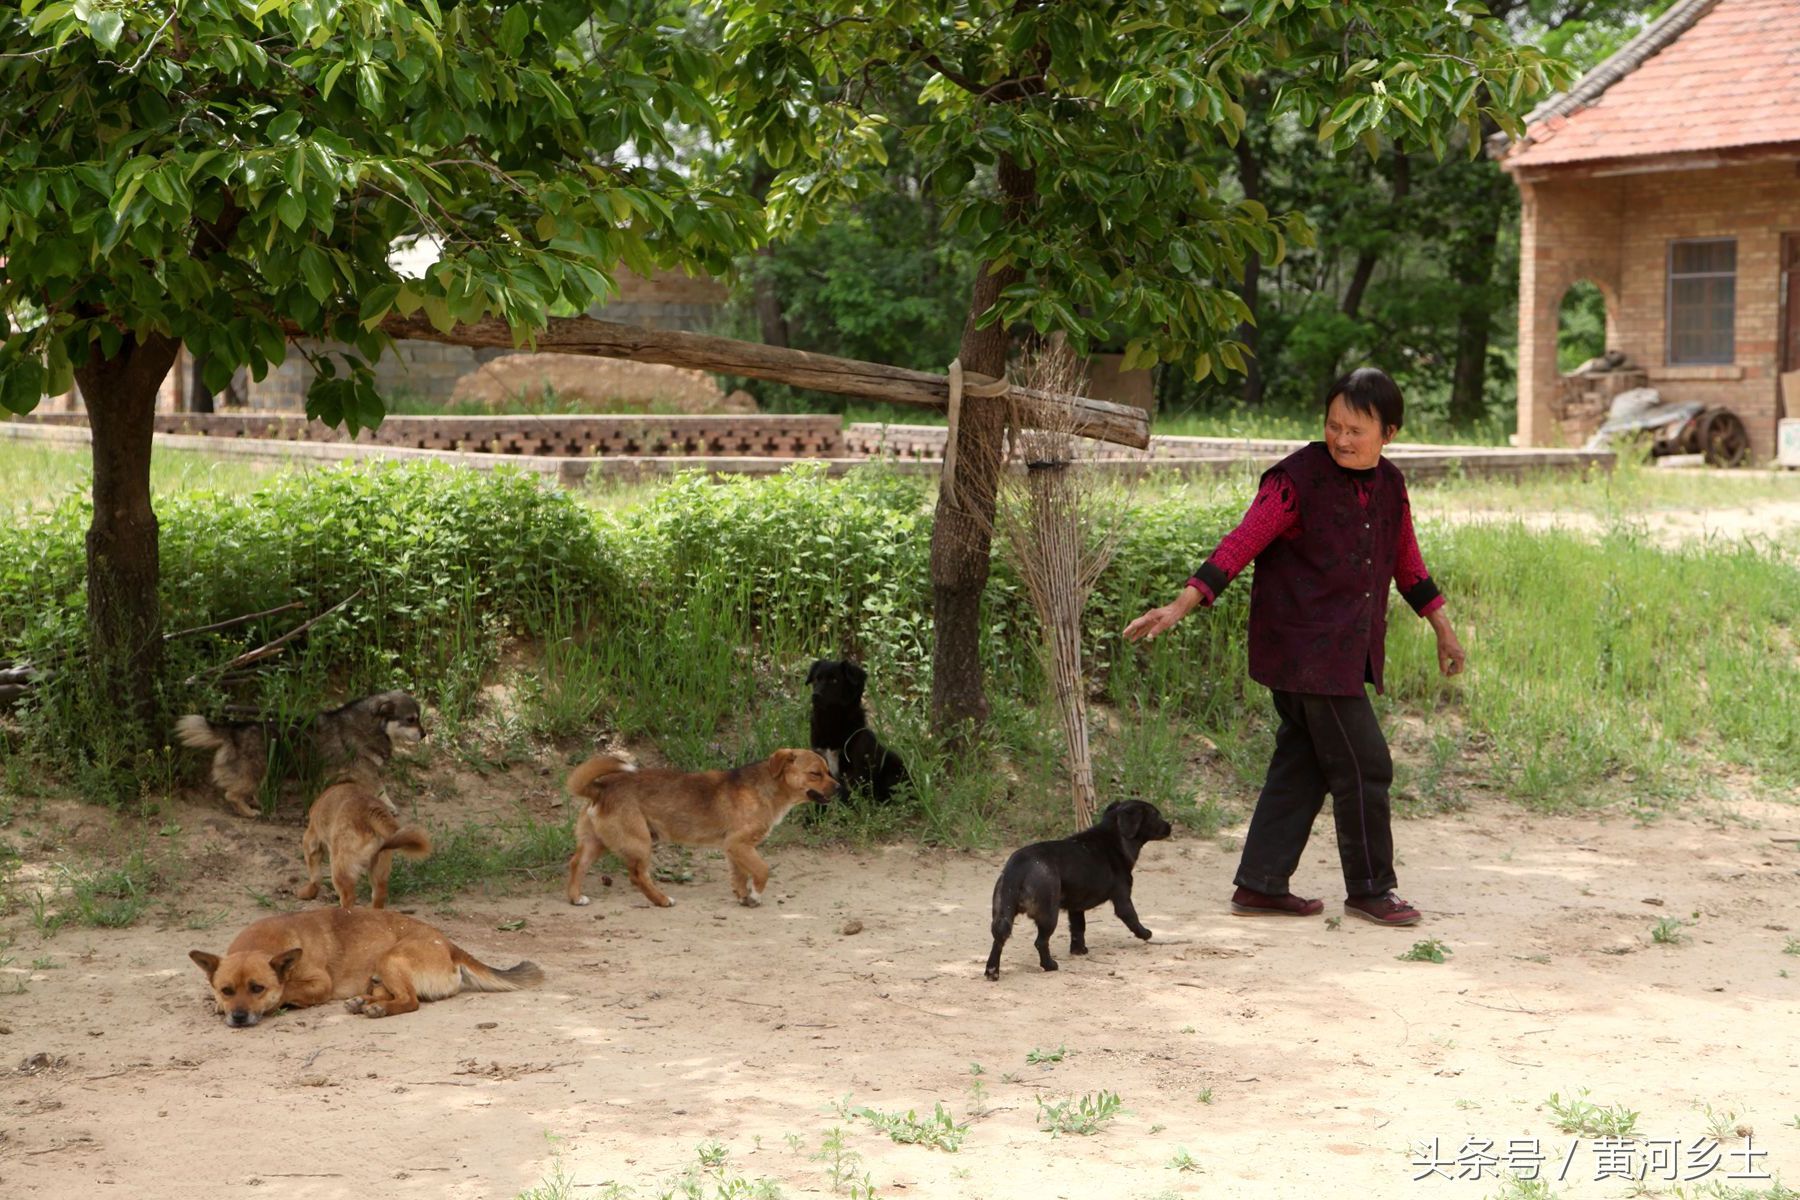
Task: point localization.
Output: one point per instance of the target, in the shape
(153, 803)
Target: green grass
(1629, 492)
(35, 475)
(486, 855)
(99, 896)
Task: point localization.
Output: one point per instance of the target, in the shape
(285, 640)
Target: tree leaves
(1119, 113)
(257, 181)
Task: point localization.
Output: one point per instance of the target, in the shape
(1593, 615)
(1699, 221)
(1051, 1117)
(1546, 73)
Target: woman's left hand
(1451, 655)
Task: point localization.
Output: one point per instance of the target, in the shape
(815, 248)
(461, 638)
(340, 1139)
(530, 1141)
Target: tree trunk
(1367, 260)
(1473, 269)
(200, 397)
(771, 322)
(1250, 176)
(960, 539)
(124, 615)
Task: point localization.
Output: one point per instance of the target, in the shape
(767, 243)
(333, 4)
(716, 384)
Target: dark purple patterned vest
(1318, 602)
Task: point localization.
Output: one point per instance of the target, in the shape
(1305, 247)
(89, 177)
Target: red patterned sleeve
(1274, 513)
(1415, 583)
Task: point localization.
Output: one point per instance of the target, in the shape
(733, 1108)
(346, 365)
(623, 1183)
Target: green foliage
(1430, 950)
(111, 897)
(1667, 932)
(1078, 145)
(687, 619)
(1579, 1115)
(883, 283)
(443, 565)
(1580, 325)
(226, 175)
(477, 855)
(939, 1131)
(1080, 1115)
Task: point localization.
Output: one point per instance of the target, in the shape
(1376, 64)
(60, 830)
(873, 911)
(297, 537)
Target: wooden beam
(1124, 424)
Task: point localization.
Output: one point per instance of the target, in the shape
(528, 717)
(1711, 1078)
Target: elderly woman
(1329, 527)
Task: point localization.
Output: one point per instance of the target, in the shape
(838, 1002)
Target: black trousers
(1324, 744)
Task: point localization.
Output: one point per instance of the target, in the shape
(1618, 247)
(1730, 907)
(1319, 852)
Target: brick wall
(427, 370)
(1616, 232)
(1568, 232)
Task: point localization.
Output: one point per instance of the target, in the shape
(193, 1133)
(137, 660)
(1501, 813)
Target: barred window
(1702, 300)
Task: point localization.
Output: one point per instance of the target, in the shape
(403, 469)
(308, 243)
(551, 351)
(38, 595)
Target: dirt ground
(1253, 1058)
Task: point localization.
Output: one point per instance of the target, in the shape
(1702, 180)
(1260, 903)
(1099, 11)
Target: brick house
(1669, 176)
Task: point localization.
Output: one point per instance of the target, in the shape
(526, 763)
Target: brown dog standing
(382, 963)
(362, 832)
(363, 732)
(628, 811)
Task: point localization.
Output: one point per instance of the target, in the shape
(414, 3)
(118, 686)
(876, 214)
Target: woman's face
(1355, 439)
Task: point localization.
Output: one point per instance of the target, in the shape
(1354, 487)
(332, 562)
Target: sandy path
(1326, 1060)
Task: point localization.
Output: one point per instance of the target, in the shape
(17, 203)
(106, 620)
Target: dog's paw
(355, 1003)
(750, 900)
(374, 1010)
(666, 903)
(1144, 935)
(1051, 965)
(992, 973)
(581, 902)
(1077, 949)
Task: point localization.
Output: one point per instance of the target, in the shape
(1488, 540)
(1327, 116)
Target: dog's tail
(410, 841)
(477, 976)
(196, 731)
(582, 779)
(1006, 903)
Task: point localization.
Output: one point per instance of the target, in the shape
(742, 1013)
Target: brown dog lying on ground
(362, 831)
(363, 732)
(629, 810)
(381, 963)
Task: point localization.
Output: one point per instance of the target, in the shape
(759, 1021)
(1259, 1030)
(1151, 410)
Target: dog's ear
(284, 962)
(206, 962)
(819, 667)
(385, 707)
(781, 760)
(1130, 819)
(857, 675)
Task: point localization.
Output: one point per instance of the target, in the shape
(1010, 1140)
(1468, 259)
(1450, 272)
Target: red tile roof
(1708, 75)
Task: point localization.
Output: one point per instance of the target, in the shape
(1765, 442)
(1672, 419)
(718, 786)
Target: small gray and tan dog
(361, 734)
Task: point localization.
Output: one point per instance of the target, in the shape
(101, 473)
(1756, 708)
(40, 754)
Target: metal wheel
(1723, 438)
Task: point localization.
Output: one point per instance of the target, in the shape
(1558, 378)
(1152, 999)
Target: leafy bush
(443, 565)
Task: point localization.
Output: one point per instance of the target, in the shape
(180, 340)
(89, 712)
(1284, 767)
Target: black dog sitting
(840, 731)
(1076, 874)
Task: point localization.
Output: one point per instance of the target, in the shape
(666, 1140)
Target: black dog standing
(1075, 874)
(840, 731)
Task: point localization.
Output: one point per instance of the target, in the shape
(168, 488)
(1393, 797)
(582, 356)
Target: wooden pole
(1124, 424)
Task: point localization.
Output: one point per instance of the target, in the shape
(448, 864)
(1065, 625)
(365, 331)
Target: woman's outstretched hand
(1161, 620)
